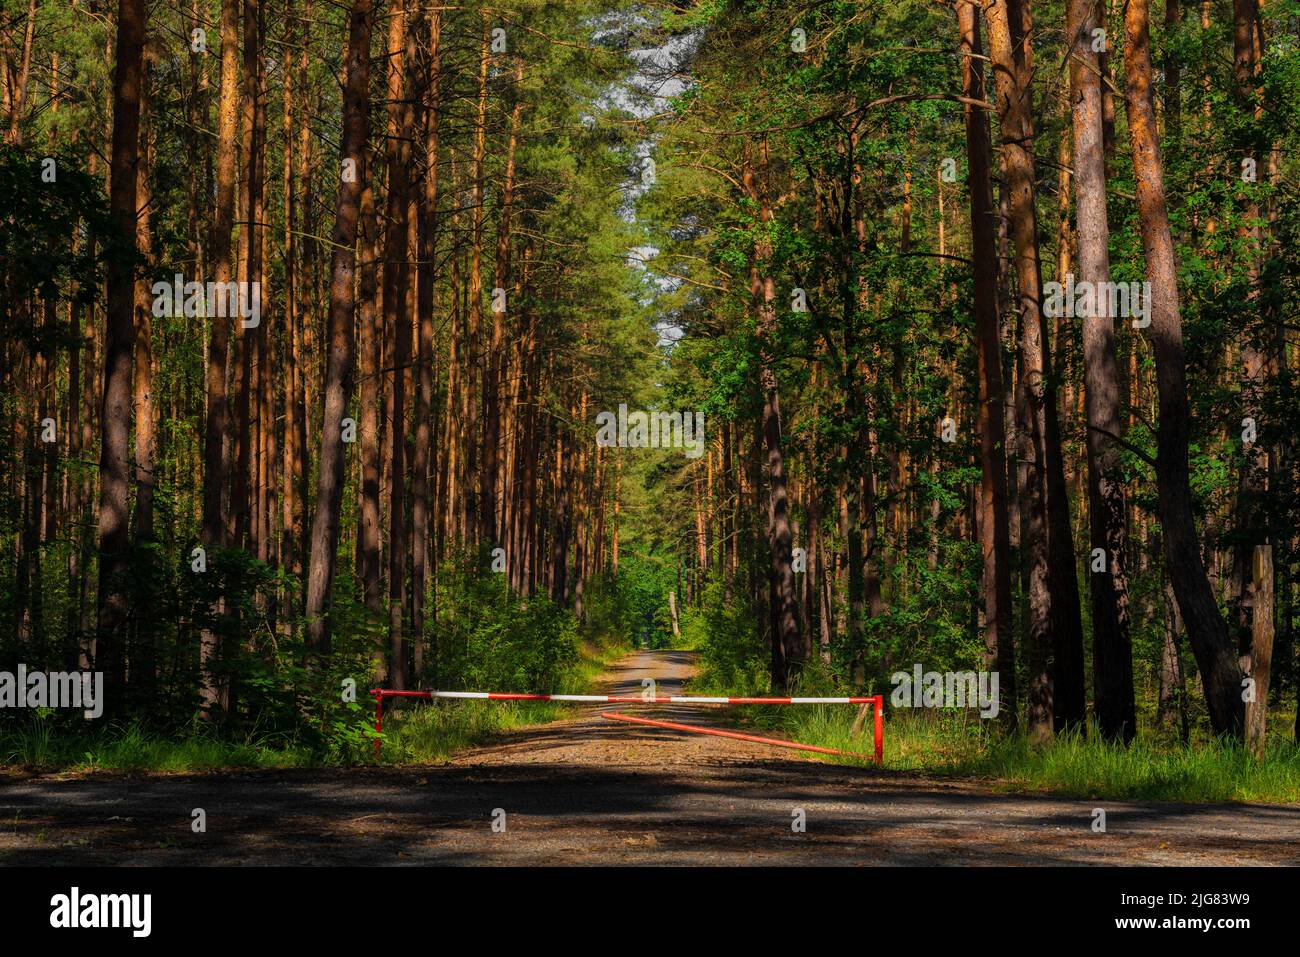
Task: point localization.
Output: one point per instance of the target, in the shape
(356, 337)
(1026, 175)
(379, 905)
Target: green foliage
(733, 653)
(37, 253)
(646, 297)
(641, 591)
(487, 638)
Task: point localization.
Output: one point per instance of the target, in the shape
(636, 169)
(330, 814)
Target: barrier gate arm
(877, 701)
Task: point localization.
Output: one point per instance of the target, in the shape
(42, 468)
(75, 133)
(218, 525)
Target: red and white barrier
(624, 699)
(379, 694)
(696, 729)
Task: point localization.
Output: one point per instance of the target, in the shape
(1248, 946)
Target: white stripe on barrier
(819, 701)
(621, 699)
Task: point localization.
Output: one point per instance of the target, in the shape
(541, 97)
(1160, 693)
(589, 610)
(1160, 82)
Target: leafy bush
(488, 638)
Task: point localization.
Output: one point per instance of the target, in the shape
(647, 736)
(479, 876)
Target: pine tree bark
(243, 503)
(216, 454)
(492, 379)
(370, 325)
(1171, 705)
(290, 506)
(1107, 514)
(426, 276)
(397, 324)
(1254, 554)
(786, 641)
(477, 513)
(145, 428)
(1053, 615)
(119, 342)
(1206, 630)
(341, 344)
(995, 540)
(16, 86)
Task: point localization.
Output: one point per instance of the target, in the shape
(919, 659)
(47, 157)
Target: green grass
(1149, 769)
(133, 748)
(431, 733)
(958, 745)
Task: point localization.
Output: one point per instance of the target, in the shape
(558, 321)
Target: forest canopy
(826, 339)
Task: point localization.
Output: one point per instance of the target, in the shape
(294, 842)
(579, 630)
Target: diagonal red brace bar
(776, 742)
(876, 701)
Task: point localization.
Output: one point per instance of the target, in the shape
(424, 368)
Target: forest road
(593, 791)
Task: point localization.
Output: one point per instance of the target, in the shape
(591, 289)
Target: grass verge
(1153, 768)
(131, 747)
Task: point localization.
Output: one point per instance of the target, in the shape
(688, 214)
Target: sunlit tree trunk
(1108, 579)
(999, 642)
(397, 324)
(1206, 629)
(145, 412)
(493, 371)
(216, 460)
(339, 334)
(421, 518)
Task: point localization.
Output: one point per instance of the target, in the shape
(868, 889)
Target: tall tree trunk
(1053, 616)
(1171, 704)
(1254, 554)
(216, 461)
(999, 640)
(143, 664)
(305, 298)
(89, 400)
(478, 522)
(264, 387)
(786, 642)
(263, 392)
(242, 504)
(16, 93)
(426, 276)
(1112, 648)
(370, 323)
(119, 341)
(397, 323)
(291, 531)
(1206, 630)
(488, 492)
(339, 364)
(145, 430)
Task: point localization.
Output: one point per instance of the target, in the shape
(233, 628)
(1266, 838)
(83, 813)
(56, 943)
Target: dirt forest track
(593, 791)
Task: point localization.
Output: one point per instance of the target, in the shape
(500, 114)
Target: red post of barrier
(880, 730)
(379, 719)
